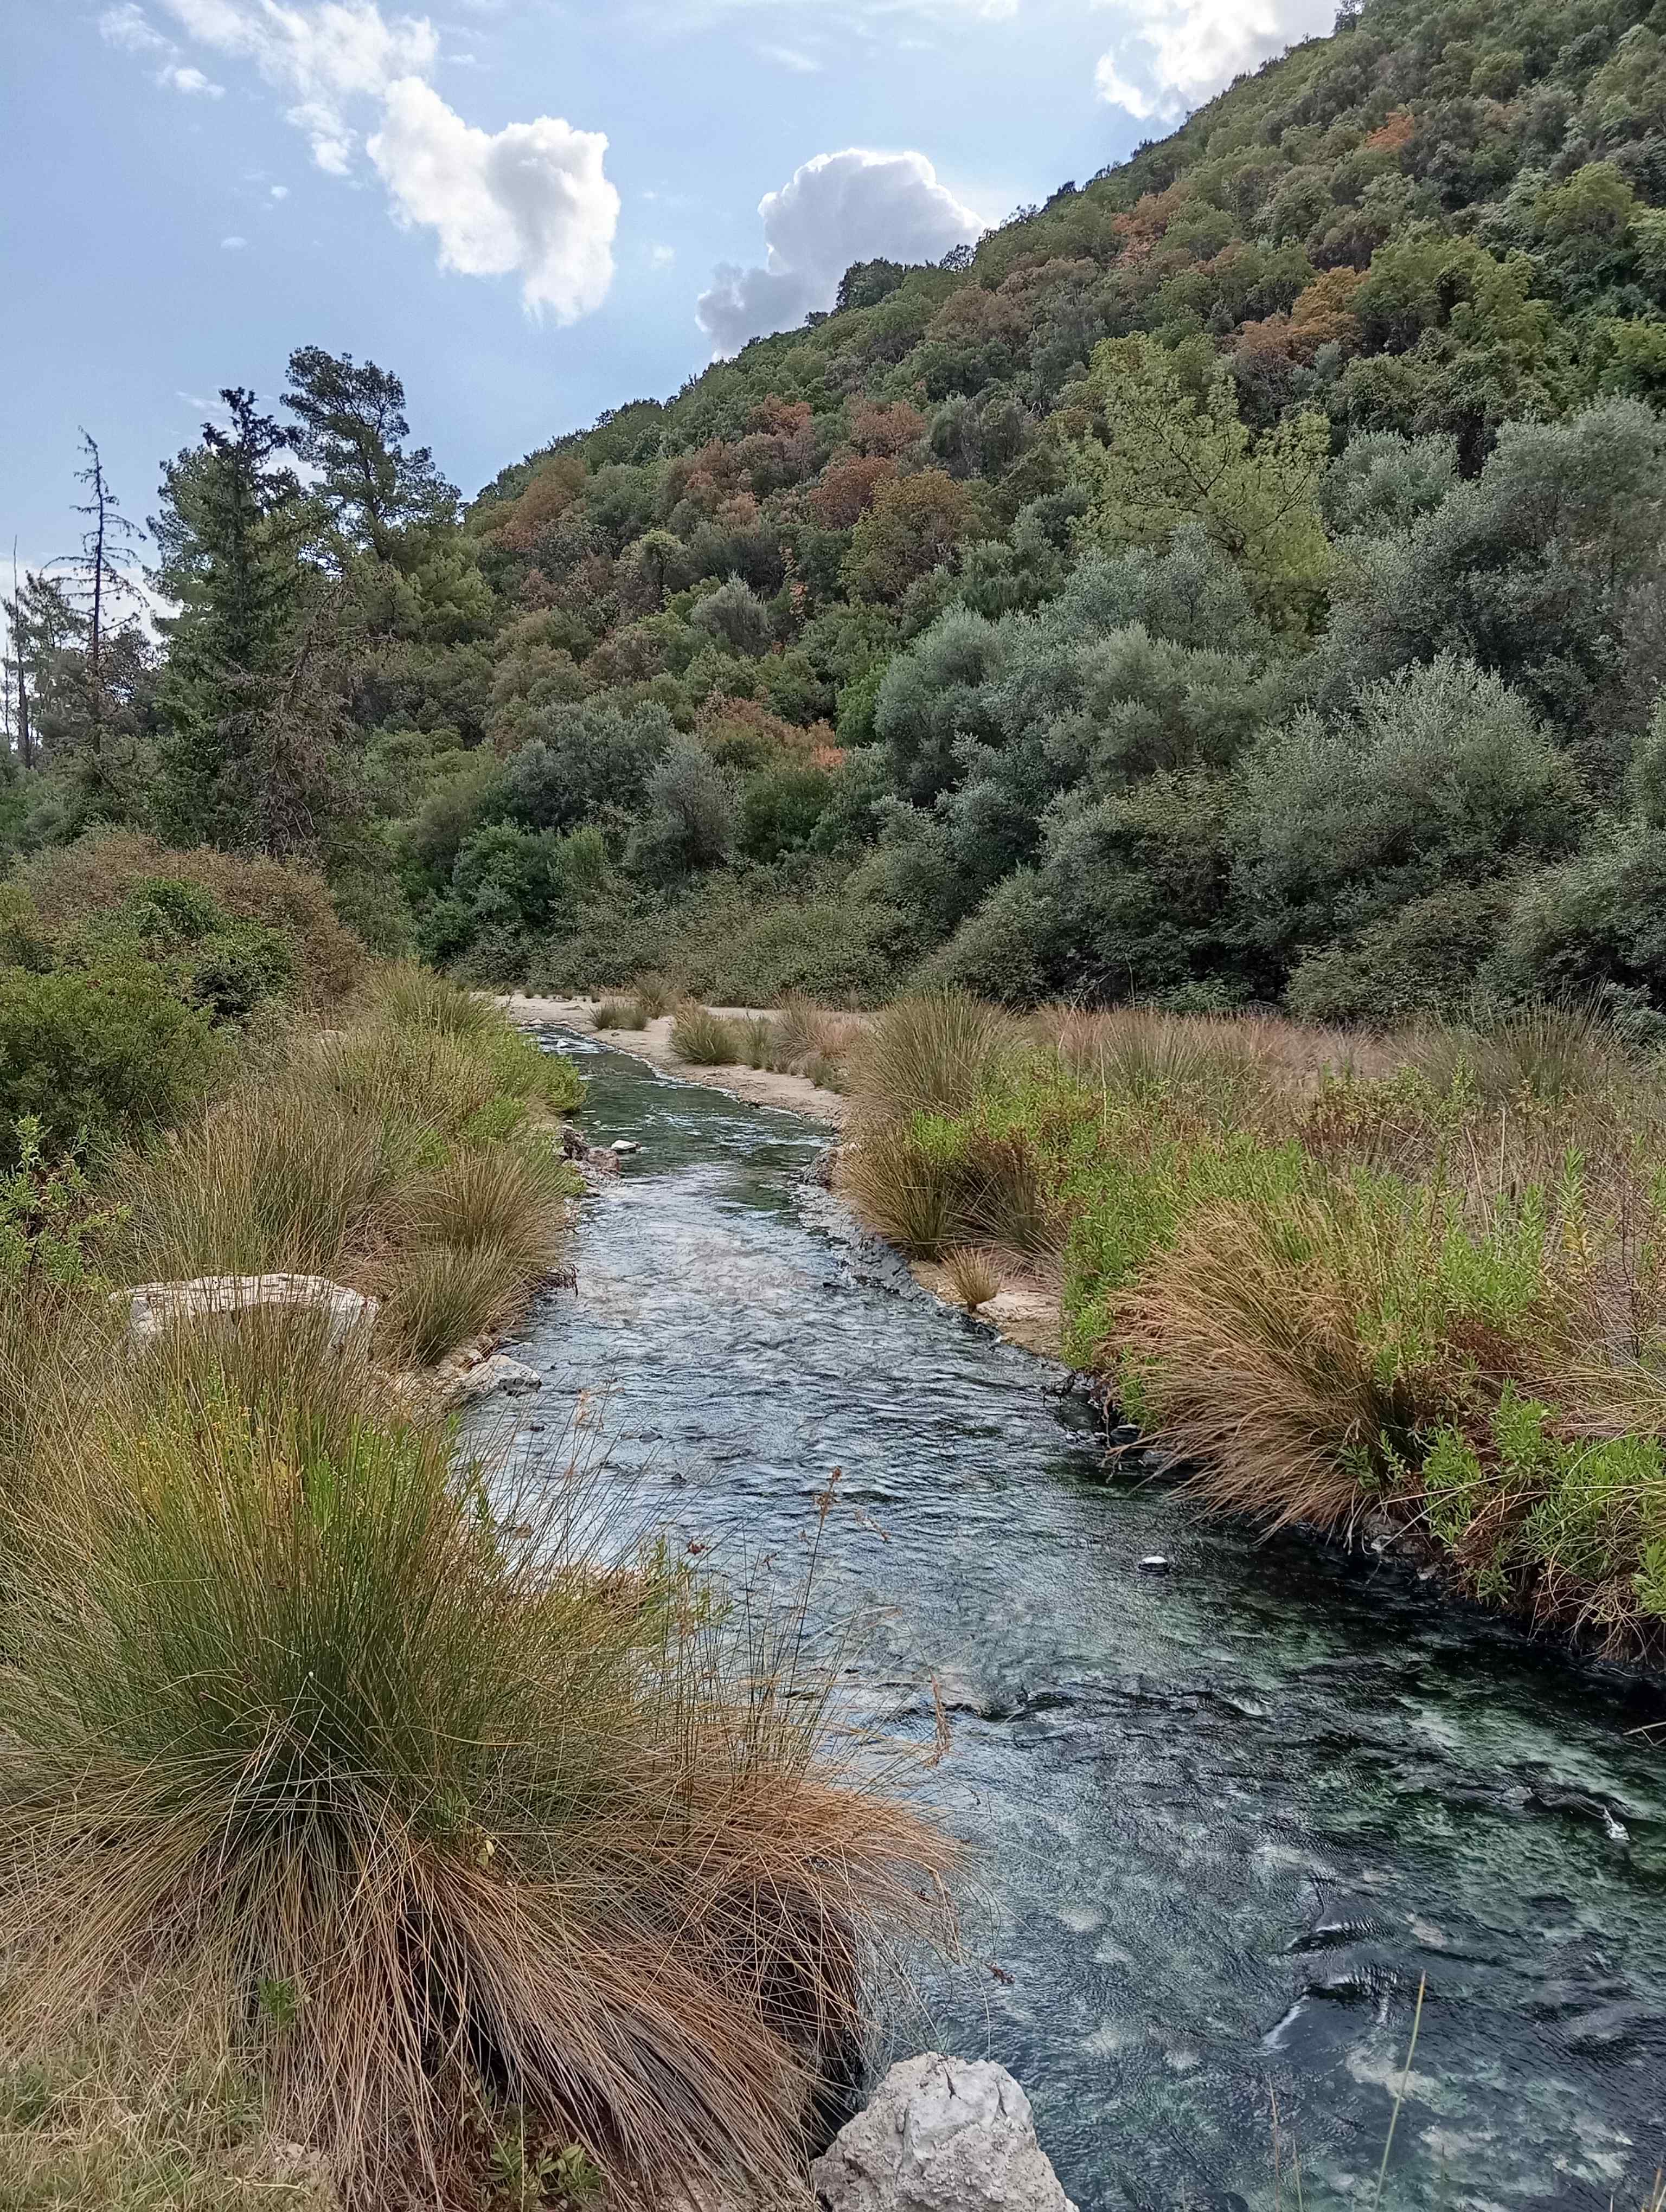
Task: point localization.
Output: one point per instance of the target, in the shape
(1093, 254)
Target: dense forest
(1239, 581)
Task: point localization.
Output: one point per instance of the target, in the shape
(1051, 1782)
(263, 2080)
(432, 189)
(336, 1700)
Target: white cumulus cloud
(836, 209)
(182, 78)
(1176, 54)
(530, 198)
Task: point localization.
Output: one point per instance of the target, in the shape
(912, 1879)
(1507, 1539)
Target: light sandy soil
(759, 1086)
(1028, 1318)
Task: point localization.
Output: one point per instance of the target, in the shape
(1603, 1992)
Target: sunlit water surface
(1222, 1819)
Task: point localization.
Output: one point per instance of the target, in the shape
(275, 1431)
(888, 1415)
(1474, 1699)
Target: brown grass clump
(1294, 1352)
(974, 1276)
(651, 995)
(617, 1014)
(900, 1189)
(405, 1807)
(929, 1054)
(470, 1242)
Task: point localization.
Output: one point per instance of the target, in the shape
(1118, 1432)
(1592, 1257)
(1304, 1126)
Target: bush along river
(1222, 1819)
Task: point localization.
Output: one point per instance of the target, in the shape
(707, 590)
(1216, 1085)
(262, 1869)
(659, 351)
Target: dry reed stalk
(973, 1275)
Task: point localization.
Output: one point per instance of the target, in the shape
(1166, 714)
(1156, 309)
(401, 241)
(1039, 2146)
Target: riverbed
(1221, 1819)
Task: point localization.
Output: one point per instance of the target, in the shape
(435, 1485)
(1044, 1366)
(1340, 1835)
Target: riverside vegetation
(1415, 1284)
(362, 1832)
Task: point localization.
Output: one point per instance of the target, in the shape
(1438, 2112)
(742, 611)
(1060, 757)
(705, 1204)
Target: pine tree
(250, 725)
(350, 425)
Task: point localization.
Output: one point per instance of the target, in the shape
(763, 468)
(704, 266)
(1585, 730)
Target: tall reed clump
(404, 1805)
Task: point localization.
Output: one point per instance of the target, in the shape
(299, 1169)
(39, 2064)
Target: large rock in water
(499, 1373)
(153, 1307)
(940, 2134)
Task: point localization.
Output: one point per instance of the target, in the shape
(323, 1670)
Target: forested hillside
(1239, 580)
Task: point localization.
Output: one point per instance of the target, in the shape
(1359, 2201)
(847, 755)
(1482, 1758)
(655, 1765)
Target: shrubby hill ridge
(1238, 581)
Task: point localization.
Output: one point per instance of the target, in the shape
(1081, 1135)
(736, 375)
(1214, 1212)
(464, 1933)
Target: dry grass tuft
(617, 1014)
(411, 1810)
(929, 1054)
(653, 995)
(703, 1039)
(974, 1276)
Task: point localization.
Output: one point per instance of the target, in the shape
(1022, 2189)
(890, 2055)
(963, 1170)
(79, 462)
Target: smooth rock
(153, 1307)
(498, 1375)
(940, 2134)
(1154, 1565)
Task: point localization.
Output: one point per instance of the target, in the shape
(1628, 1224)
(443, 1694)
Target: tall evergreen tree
(247, 754)
(350, 427)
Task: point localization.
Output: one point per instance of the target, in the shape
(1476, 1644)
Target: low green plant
(51, 1225)
(98, 1056)
(704, 1039)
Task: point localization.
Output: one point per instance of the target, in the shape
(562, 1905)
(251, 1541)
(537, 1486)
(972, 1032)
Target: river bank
(760, 1086)
(1024, 1314)
(1408, 1289)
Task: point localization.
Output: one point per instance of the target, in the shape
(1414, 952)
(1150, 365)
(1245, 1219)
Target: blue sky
(518, 205)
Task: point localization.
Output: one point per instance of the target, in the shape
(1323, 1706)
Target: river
(1222, 1819)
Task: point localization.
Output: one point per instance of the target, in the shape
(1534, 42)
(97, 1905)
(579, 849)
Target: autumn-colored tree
(845, 489)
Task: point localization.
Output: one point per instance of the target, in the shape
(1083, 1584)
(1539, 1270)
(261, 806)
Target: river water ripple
(1222, 1819)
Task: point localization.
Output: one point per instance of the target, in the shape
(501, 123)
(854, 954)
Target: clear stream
(1221, 1819)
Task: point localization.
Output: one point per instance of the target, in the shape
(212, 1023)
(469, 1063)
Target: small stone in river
(536, 1427)
(1154, 1564)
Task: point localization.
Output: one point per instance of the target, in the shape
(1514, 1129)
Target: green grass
(406, 1155)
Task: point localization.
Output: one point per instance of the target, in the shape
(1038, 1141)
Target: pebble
(1155, 1564)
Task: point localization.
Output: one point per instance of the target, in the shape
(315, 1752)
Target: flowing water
(1222, 1819)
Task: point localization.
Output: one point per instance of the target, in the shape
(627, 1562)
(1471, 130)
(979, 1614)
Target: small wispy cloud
(232, 244)
(129, 28)
(182, 78)
(791, 58)
(280, 191)
(662, 256)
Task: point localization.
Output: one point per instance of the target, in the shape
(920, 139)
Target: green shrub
(80, 886)
(97, 1056)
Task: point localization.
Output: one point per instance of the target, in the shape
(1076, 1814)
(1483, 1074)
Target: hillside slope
(1237, 581)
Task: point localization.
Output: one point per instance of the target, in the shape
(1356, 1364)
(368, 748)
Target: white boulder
(153, 1307)
(940, 2134)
